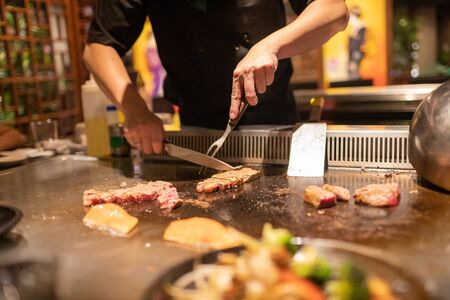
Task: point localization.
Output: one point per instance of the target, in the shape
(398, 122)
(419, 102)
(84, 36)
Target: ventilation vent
(369, 149)
(352, 147)
(258, 147)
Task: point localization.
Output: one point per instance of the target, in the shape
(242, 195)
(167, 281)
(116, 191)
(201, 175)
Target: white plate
(29, 152)
(12, 160)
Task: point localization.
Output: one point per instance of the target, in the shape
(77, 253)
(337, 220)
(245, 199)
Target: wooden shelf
(11, 38)
(27, 38)
(15, 9)
(23, 79)
(29, 97)
(39, 117)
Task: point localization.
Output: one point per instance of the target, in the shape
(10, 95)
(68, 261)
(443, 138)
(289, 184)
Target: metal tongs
(215, 147)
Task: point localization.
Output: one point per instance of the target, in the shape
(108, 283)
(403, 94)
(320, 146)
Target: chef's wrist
(270, 45)
(132, 102)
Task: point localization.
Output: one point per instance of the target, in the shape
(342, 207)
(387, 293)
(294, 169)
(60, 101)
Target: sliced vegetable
(379, 289)
(351, 285)
(278, 237)
(249, 242)
(294, 287)
(309, 264)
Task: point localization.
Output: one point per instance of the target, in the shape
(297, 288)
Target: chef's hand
(143, 129)
(253, 74)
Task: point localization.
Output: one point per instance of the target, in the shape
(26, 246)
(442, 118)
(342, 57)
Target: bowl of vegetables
(280, 266)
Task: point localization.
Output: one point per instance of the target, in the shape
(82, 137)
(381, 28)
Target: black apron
(200, 50)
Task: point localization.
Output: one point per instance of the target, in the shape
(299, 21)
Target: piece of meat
(378, 194)
(341, 193)
(227, 180)
(163, 192)
(319, 197)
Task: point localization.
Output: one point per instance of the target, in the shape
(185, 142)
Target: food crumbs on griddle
(321, 212)
(389, 175)
(197, 203)
(309, 214)
(283, 191)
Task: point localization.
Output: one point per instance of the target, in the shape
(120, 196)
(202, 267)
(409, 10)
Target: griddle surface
(94, 265)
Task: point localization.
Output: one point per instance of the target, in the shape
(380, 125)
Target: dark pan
(9, 217)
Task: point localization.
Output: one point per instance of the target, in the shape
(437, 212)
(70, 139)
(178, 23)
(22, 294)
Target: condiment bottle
(94, 112)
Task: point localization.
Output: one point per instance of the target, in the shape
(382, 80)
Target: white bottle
(112, 115)
(94, 113)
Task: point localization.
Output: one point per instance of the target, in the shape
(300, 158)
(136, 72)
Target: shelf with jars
(38, 69)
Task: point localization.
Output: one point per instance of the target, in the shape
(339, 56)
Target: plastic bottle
(117, 142)
(94, 112)
(112, 116)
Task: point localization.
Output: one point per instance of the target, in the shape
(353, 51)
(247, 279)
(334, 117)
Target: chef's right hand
(143, 129)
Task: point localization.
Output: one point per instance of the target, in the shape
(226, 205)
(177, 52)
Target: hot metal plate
(49, 193)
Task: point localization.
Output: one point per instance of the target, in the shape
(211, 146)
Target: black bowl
(9, 217)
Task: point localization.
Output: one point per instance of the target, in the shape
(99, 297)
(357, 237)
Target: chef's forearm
(109, 72)
(316, 25)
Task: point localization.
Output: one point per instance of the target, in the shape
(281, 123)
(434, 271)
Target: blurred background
(392, 53)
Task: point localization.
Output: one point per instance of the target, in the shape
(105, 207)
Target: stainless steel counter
(409, 92)
(393, 104)
(93, 265)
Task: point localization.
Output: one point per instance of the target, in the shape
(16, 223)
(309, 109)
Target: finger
(236, 96)
(249, 87)
(260, 81)
(270, 75)
(157, 143)
(157, 147)
(138, 146)
(131, 137)
(147, 145)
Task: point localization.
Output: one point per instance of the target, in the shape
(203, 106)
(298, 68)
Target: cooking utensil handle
(233, 122)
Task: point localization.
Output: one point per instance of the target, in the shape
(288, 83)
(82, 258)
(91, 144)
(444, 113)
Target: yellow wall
(140, 58)
(374, 65)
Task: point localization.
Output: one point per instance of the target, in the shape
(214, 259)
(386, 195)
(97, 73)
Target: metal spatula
(307, 156)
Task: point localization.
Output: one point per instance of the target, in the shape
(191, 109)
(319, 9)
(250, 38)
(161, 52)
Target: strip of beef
(378, 194)
(163, 192)
(319, 197)
(341, 193)
(226, 180)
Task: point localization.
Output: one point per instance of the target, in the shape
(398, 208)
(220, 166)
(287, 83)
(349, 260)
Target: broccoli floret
(310, 265)
(279, 237)
(350, 285)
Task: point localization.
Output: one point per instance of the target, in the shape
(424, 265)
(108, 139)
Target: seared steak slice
(341, 193)
(319, 197)
(163, 192)
(378, 194)
(226, 180)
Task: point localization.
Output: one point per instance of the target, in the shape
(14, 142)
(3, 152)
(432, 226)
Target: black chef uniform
(200, 43)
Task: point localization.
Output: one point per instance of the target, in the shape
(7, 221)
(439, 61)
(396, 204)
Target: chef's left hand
(253, 74)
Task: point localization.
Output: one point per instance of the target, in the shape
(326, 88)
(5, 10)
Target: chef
(216, 53)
